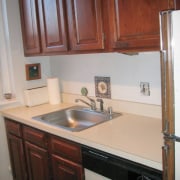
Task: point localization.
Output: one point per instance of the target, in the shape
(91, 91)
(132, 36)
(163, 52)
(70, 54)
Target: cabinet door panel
(13, 127)
(30, 31)
(135, 24)
(17, 157)
(85, 24)
(66, 149)
(52, 25)
(64, 169)
(37, 162)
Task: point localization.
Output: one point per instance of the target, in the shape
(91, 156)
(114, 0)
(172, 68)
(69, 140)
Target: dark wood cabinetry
(16, 150)
(30, 30)
(35, 144)
(52, 27)
(37, 162)
(36, 155)
(17, 157)
(134, 25)
(43, 26)
(85, 24)
(66, 169)
(58, 26)
(66, 159)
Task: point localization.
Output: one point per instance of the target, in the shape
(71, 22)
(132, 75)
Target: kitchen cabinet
(16, 150)
(59, 26)
(29, 24)
(66, 159)
(85, 24)
(52, 25)
(43, 26)
(35, 145)
(134, 25)
(38, 155)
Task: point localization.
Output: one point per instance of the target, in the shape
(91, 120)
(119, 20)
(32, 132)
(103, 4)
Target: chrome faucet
(92, 103)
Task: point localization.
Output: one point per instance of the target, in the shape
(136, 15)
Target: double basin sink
(76, 118)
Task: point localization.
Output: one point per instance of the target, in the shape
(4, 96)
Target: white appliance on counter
(170, 69)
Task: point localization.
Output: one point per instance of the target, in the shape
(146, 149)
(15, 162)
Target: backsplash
(147, 110)
(126, 73)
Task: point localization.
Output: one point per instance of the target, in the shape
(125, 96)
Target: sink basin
(75, 118)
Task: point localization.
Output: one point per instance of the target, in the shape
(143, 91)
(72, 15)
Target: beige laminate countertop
(134, 137)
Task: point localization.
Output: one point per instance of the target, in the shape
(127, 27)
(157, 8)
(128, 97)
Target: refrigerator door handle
(165, 119)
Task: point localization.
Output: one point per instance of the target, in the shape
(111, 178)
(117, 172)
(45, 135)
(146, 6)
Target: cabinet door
(37, 162)
(85, 24)
(64, 169)
(52, 25)
(29, 23)
(17, 157)
(134, 25)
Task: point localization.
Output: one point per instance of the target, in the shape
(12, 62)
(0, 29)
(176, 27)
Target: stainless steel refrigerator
(170, 73)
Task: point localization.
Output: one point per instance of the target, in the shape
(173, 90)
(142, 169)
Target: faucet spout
(92, 103)
(81, 100)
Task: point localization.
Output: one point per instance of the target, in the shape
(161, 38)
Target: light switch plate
(102, 87)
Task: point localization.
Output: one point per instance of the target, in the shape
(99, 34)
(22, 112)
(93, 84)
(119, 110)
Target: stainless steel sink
(75, 118)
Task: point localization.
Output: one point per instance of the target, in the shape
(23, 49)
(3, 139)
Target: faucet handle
(101, 104)
(110, 111)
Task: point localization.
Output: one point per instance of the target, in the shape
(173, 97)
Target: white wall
(18, 58)
(20, 82)
(5, 174)
(126, 72)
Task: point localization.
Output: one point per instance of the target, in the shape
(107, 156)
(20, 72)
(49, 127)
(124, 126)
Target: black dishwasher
(116, 168)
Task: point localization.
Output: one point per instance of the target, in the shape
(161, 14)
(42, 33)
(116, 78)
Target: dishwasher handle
(98, 155)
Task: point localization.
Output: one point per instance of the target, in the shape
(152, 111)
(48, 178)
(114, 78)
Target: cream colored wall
(126, 72)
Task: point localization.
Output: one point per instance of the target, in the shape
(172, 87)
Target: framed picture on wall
(33, 71)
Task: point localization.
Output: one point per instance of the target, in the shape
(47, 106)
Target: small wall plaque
(33, 71)
(102, 87)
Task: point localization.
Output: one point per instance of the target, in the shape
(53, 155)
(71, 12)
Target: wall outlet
(145, 88)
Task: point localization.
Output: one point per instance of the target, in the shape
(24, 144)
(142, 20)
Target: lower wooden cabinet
(66, 169)
(17, 157)
(37, 162)
(37, 155)
(34, 155)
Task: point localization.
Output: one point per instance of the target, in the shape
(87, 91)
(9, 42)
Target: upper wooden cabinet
(134, 25)
(52, 25)
(85, 24)
(30, 30)
(46, 25)
(74, 26)
(43, 26)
